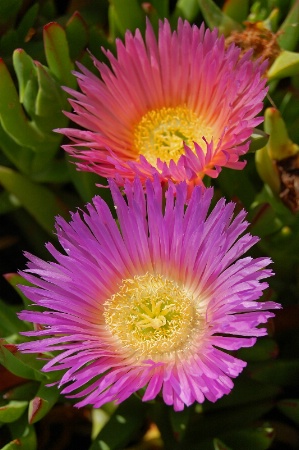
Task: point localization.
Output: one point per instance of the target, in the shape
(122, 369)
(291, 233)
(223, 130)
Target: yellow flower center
(151, 316)
(161, 133)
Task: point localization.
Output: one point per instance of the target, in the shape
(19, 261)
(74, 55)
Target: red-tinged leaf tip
(9, 276)
(35, 406)
(11, 348)
(8, 380)
(76, 15)
(50, 25)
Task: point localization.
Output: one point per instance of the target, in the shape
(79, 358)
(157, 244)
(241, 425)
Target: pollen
(162, 132)
(151, 316)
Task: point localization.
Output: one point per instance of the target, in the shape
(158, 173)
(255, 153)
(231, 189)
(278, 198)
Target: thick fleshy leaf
(258, 439)
(39, 201)
(162, 7)
(12, 411)
(57, 54)
(267, 169)
(219, 445)
(25, 366)
(12, 116)
(187, 9)
(264, 349)
(86, 183)
(216, 18)
(285, 65)
(258, 140)
(41, 404)
(22, 158)
(290, 407)
(204, 425)
(122, 427)
(15, 280)
(9, 322)
(9, 9)
(26, 441)
(245, 391)
(77, 35)
(26, 76)
(179, 422)
(280, 372)
(27, 22)
(237, 185)
(128, 15)
(289, 30)
(7, 203)
(25, 391)
(236, 10)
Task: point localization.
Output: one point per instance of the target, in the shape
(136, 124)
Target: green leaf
(20, 156)
(39, 201)
(204, 425)
(12, 116)
(258, 140)
(128, 15)
(55, 172)
(245, 392)
(237, 10)
(57, 54)
(41, 404)
(289, 30)
(85, 182)
(27, 441)
(216, 18)
(280, 372)
(125, 422)
(219, 445)
(8, 9)
(12, 411)
(77, 35)
(267, 170)
(26, 75)
(285, 65)
(237, 185)
(179, 421)
(162, 7)
(9, 322)
(290, 407)
(27, 22)
(15, 280)
(187, 9)
(258, 439)
(24, 391)
(7, 203)
(264, 349)
(24, 366)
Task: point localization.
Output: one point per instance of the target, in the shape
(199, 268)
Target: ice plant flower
(150, 305)
(181, 105)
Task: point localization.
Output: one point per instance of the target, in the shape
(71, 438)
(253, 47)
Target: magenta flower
(152, 304)
(181, 106)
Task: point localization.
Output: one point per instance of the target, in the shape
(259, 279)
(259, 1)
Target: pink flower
(152, 304)
(181, 106)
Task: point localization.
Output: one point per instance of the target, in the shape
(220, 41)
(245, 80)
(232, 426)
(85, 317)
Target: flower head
(181, 106)
(152, 304)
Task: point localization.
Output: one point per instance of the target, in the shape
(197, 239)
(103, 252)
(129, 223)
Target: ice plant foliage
(181, 106)
(151, 305)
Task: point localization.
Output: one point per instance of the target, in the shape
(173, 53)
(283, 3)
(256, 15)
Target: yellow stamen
(151, 316)
(161, 133)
